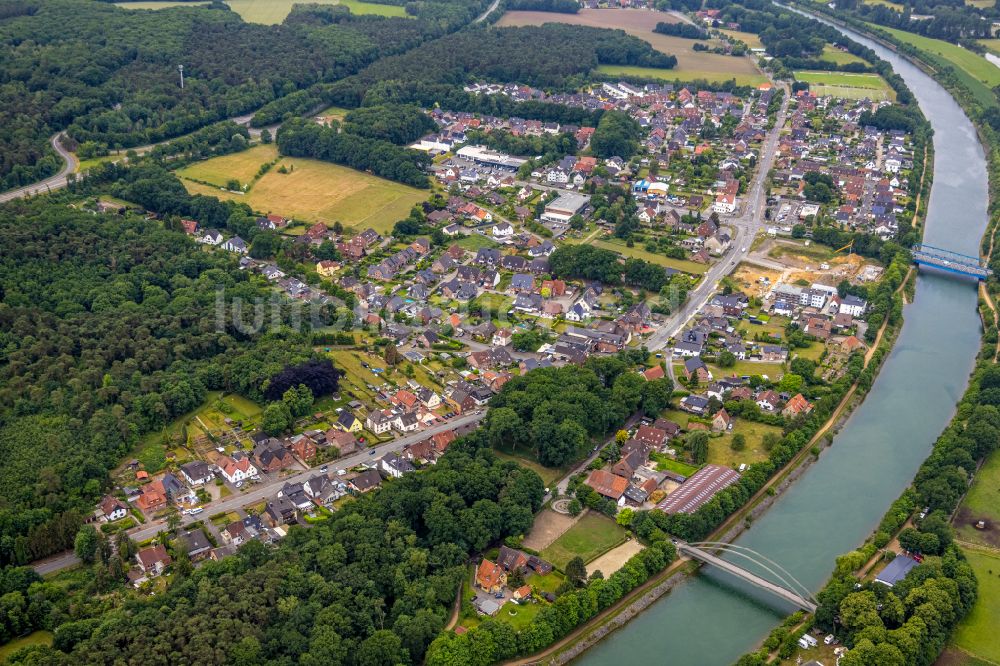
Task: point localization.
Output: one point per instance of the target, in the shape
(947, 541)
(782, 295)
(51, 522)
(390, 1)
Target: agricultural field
(976, 71)
(591, 536)
(846, 85)
(274, 11)
(615, 559)
(312, 191)
(982, 502)
(750, 39)
(241, 166)
(742, 79)
(691, 64)
(976, 633)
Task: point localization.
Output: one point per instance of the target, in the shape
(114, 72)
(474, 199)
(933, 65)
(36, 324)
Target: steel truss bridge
(783, 585)
(953, 262)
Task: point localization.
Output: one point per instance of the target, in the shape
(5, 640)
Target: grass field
(313, 191)
(846, 85)
(691, 64)
(982, 502)
(982, 4)
(34, 638)
(837, 56)
(275, 11)
(992, 45)
(619, 246)
(591, 536)
(750, 39)
(976, 633)
(980, 75)
(892, 5)
(474, 242)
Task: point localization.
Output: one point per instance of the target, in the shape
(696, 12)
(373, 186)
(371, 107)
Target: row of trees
(680, 29)
(304, 138)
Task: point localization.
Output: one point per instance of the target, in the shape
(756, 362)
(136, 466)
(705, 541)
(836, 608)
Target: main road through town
(713, 618)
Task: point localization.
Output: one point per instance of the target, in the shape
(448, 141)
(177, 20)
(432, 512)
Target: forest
(113, 79)
(548, 56)
(373, 584)
(561, 6)
(680, 29)
(305, 138)
(555, 412)
(110, 330)
(395, 123)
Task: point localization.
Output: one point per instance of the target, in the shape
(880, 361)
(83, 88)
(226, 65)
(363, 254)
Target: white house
(853, 306)
(210, 237)
(406, 422)
(725, 204)
(113, 509)
(378, 422)
(235, 244)
(237, 468)
(557, 176)
(503, 230)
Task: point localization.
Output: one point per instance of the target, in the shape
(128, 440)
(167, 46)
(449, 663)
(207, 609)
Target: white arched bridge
(784, 585)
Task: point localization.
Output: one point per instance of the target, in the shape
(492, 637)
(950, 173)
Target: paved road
(745, 227)
(52, 183)
(259, 493)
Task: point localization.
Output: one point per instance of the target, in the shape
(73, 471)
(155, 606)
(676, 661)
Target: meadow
(846, 85)
(681, 75)
(982, 502)
(750, 39)
(271, 12)
(978, 73)
(839, 57)
(691, 64)
(976, 633)
(311, 191)
(617, 245)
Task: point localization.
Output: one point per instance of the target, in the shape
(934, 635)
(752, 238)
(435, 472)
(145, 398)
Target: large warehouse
(565, 207)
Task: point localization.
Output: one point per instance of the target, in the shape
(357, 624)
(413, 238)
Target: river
(713, 618)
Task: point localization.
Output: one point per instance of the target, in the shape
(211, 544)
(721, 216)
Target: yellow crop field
(311, 191)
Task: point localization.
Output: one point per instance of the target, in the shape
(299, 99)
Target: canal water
(713, 618)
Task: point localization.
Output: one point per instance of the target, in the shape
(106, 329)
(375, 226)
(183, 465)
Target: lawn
(313, 191)
(812, 251)
(619, 246)
(846, 84)
(333, 113)
(976, 633)
(839, 57)
(750, 39)
(549, 474)
(721, 453)
(275, 11)
(355, 375)
(86, 165)
(665, 463)
(982, 502)
(774, 371)
(34, 638)
(591, 536)
(473, 242)
(691, 64)
(977, 69)
(741, 78)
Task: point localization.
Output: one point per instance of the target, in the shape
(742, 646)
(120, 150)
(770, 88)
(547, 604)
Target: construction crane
(849, 247)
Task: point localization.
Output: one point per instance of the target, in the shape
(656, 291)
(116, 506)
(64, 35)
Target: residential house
(490, 577)
(378, 422)
(608, 485)
(237, 468)
(153, 560)
(271, 456)
(796, 405)
(197, 472)
(364, 482)
(195, 544)
(112, 508)
(721, 422)
(348, 422)
(279, 511)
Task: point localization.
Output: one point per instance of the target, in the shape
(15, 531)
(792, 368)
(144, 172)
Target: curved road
(53, 182)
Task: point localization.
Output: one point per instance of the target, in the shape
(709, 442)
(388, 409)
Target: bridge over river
(953, 262)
